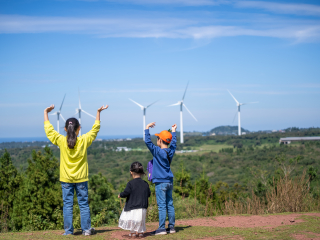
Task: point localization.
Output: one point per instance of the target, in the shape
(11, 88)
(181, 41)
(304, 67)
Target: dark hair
(72, 125)
(165, 143)
(137, 167)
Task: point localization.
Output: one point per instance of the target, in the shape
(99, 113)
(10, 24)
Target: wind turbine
(58, 113)
(79, 110)
(238, 105)
(144, 113)
(181, 120)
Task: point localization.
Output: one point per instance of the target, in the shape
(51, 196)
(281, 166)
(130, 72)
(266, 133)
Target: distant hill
(225, 130)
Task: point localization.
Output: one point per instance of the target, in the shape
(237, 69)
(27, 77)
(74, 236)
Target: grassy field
(306, 227)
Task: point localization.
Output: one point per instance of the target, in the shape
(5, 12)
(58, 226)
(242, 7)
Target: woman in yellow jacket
(74, 167)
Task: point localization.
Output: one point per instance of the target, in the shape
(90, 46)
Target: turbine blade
(54, 113)
(247, 103)
(234, 117)
(233, 97)
(62, 102)
(62, 117)
(152, 103)
(190, 112)
(79, 98)
(185, 91)
(88, 113)
(174, 104)
(136, 103)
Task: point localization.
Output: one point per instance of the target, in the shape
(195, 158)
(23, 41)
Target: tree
(10, 180)
(40, 194)
(103, 204)
(312, 172)
(182, 182)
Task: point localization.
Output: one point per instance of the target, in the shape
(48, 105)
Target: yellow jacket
(73, 162)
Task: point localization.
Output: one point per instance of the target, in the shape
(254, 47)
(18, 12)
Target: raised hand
(151, 125)
(174, 127)
(49, 109)
(103, 108)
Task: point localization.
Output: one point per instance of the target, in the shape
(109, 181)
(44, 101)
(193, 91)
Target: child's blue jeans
(165, 204)
(82, 195)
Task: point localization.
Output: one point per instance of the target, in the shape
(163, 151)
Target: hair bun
(137, 167)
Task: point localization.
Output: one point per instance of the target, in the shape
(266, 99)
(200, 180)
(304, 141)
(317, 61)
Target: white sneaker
(89, 232)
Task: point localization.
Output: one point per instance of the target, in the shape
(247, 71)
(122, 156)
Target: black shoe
(171, 230)
(159, 232)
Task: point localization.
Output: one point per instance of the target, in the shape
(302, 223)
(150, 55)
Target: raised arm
(99, 111)
(52, 135)
(46, 111)
(173, 144)
(92, 134)
(147, 139)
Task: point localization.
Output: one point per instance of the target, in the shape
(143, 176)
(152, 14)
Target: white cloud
(286, 8)
(152, 27)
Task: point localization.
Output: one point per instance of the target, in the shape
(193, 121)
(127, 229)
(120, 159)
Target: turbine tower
(181, 116)
(144, 114)
(79, 110)
(238, 106)
(58, 113)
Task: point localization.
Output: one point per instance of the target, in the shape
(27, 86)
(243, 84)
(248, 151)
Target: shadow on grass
(178, 229)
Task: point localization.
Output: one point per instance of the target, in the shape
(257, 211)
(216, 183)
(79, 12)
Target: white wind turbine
(144, 113)
(238, 105)
(58, 113)
(79, 110)
(181, 120)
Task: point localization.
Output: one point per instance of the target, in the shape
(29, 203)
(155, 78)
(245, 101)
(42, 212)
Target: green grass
(309, 228)
(217, 147)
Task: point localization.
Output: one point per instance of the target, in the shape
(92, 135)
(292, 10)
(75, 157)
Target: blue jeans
(82, 195)
(165, 204)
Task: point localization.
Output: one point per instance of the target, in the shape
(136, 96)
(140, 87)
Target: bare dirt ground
(247, 221)
(267, 222)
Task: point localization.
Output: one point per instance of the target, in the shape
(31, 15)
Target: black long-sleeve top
(137, 193)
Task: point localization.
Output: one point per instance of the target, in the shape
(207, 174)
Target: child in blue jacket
(162, 176)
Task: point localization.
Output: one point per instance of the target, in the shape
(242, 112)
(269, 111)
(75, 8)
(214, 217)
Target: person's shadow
(178, 229)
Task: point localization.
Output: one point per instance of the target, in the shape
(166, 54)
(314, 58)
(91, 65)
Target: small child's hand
(151, 125)
(103, 108)
(119, 196)
(174, 127)
(49, 109)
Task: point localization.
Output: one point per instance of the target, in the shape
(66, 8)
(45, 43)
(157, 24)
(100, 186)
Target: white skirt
(134, 220)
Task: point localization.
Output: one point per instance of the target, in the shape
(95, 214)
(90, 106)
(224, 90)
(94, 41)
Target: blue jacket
(161, 171)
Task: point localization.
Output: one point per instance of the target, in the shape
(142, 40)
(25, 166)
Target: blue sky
(148, 50)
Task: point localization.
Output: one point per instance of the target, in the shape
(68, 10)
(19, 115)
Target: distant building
(119, 149)
(288, 140)
(128, 139)
(98, 140)
(213, 134)
(244, 133)
(274, 131)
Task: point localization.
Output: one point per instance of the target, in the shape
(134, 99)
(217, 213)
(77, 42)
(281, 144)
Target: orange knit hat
(165, 136)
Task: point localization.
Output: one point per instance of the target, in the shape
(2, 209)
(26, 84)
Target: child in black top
(137, 192)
